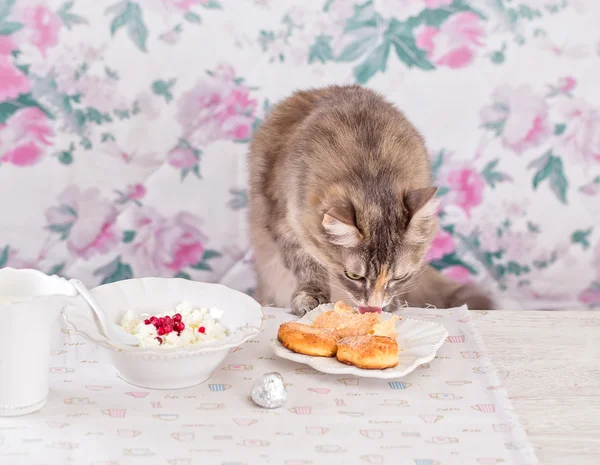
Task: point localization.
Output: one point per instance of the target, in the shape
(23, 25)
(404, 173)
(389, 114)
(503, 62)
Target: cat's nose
(375, 301)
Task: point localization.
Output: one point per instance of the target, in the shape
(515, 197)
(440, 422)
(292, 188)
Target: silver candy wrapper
(269, 391)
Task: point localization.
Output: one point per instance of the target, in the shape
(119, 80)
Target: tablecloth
(451, 411)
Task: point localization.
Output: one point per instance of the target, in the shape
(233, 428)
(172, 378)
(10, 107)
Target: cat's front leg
(312, 287)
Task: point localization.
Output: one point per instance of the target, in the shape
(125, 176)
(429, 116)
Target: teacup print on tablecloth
(97, 387)
(444, 396)
(254, 443)
(431, 418)
(394, 403)
(60, 370)
(56, 424)
(470, 355)
(138, 452)
(349, 381)
(210, 406)
(245, 421)
(371, 433)
(128, 433)
(78, 401)
(237, 367)
(183, 437)
(458, 383)
(316, 430)
(340, 402)
(426, 462)
(305, 410)
(442, 440)
(138, 394)
(399, 385)
(115, 412)
(455, 339)
(219, 387)
(484, 408)
(166, 416)
(330, 449)
(320, 390)
(372, 458)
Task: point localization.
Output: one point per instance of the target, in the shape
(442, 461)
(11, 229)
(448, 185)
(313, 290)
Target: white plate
(419, 339)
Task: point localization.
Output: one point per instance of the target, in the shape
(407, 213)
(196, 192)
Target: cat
(341, 206)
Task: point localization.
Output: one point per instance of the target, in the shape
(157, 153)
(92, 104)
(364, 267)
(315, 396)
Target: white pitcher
(30, 301)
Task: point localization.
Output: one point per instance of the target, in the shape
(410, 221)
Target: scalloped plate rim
(314, 362)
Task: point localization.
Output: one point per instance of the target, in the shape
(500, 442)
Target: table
(550, 364)
(545, 359)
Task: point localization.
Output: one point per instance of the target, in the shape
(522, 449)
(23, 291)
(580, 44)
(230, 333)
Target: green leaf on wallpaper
(129, 15)
(492, 176)
(192, 17)
(321, 50)
(57, 269)
(532, 227)
(327, 5)
(95, 116)
(376, 61)
(356, 49)
(122, 272)
(402, 37)
(208, 254)
(550, 167)
(9, 107)
(559, 129)
(9, 27)
(443, 190)
(128, 236)
(111, 73)
(6, 7)
(163, 88)
(4, 256)
(65, 157)
(69, 19)
(435, 17)
(62, 229)
(582, 237)
(364, 16)
(202, 266)
(451, 260)
(212, 4)
(183, 275)
(239, 199)
(106, 137)
(86, 143)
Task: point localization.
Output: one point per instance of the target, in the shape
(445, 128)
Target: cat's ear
(421, 202)
(340, 226)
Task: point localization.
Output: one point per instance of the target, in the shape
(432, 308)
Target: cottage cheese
(200, 325)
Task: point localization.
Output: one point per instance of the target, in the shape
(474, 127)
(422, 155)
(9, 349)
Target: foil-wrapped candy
(268, 391)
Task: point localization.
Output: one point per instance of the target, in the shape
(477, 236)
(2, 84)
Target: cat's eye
(400, 279)
(353, 277)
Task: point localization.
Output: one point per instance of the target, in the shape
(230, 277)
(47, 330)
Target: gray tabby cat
(342, 207)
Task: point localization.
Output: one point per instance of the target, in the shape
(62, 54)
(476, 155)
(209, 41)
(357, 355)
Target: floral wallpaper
(124, 128)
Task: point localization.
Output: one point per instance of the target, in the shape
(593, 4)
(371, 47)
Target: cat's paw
(303, 302)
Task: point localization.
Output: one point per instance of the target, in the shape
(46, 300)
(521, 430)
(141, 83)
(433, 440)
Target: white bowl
(156, 368)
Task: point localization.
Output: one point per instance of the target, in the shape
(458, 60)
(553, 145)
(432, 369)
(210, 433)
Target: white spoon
(111, 330)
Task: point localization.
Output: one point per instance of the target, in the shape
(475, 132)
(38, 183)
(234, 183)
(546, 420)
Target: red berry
(179, 326)
(168, 328)
(159, 339)
(146, 322)
(177, 317)
(202, 329)
(153, 320)
(179, 333)
(160, 331)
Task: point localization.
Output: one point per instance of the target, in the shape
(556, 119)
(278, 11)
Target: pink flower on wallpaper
(186, 4)
(591, 295)
(443, 244)
(455, 43)
(458, 273)
(519, 117)
(42, 27)
(215, 109)
(581, 138)
(433, 4)
(13, 81)
(466, 188)
(135, 191)
(23, 137)
(182, 157)
(164, 246)
(85, 220)
(567, 84)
